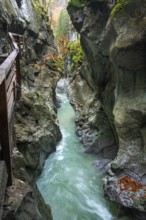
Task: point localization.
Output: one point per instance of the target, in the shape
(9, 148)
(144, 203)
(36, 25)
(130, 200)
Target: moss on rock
(119, 6)
(82, 3)
(39, 10)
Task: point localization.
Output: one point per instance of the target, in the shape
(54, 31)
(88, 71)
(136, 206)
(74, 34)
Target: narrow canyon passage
(69, 182)
(85, 160)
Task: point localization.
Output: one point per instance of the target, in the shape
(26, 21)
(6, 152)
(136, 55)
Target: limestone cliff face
(30, 19)
(113, 38)
(36, 127)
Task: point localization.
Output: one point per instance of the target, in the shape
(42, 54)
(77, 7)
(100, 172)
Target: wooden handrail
(10, 77)
(16, 35)
(11, 37)
(5, 67)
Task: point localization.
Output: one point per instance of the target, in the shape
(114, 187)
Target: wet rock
(61, 86)
(13, 198)
(27, 210)
(138, 215)
(58, 102)
(110, 152)
(127, 191)
(113, 39)
(92, 125)
(18, 165)
(102, 164)
(37, 129)
(25, 202)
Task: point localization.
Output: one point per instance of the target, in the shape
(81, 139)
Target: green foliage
(57, 64)
(63, 24)
(62, 32)
(39, 10)
(82, 3)
(76, 54)
(119, 6)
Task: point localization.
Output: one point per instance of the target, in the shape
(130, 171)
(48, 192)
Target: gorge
(107, 92)
(69, 181)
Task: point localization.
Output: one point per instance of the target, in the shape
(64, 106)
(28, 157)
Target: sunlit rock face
(114, 43)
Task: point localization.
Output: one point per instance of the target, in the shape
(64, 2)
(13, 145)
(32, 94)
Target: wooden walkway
(10, 81)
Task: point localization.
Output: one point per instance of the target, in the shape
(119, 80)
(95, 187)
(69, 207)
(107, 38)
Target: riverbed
(70, 183)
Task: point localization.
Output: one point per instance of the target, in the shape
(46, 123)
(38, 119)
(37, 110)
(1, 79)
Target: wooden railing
(10, 80)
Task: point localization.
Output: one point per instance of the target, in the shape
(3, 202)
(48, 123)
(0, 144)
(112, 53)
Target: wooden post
(18, 74)
(4, 134)
(19, 45)
(0, 151)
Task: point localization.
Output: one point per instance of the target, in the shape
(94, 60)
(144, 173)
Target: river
(69, 182)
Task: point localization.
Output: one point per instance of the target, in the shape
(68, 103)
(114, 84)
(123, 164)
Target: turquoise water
(69, 182)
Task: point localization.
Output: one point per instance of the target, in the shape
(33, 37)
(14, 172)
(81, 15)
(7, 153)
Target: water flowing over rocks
(113, 75)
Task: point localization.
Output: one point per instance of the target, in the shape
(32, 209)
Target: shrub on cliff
(76, 54)
(39, 10)
(62, 32)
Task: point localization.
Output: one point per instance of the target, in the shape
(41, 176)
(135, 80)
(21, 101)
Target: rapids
(69, 182)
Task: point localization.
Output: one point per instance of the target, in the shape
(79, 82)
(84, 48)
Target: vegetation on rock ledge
(39, 10)
(119, 6)
(76, 54)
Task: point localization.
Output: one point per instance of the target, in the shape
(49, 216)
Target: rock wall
(36, 125)
(113, 39)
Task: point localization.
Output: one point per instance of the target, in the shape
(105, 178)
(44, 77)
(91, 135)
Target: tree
(62, 32)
